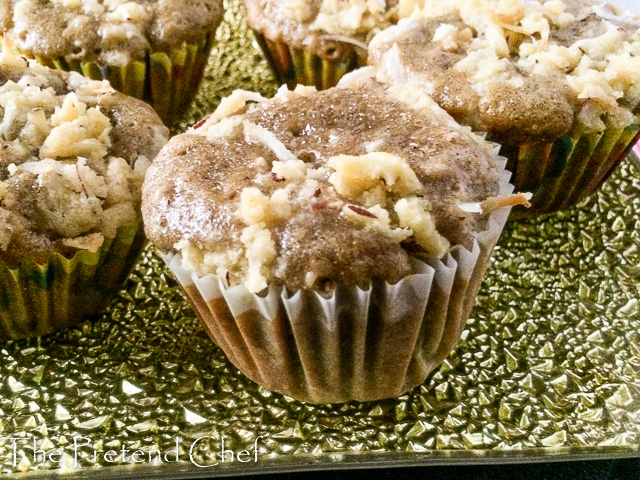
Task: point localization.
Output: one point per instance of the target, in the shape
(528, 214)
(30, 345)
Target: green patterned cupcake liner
(293, 65)
(167, 81)
(38, 299)
(562, 173)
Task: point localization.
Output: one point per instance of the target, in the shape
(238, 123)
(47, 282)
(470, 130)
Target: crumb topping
(309, 189)
(113, 31)
(348, 17)
(61, 186)
(574, 52)
(320, 25)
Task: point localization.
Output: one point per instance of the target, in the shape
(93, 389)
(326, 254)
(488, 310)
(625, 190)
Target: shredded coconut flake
(596, 68)
(228, 106)
(256, 134)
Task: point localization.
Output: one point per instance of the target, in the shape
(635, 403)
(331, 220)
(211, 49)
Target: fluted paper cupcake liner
(293, 66)
(358, 344)
(562, 173)
(167, 81)
(39, 299)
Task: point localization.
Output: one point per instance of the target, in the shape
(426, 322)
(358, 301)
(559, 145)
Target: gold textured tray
(548, 368)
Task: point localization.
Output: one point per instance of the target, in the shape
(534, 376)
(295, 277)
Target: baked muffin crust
(322, 26)
(521, 71)
(73, 153)
(312, 187)
(113, 32)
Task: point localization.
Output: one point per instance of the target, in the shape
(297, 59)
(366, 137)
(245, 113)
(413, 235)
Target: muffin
(557, 84)
(316, 43)
(73, 154)
(155, 50)
(331, 242)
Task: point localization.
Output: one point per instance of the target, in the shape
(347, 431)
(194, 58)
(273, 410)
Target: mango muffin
(556, 83)
(155, 50)
(73, 153)
(332, 242)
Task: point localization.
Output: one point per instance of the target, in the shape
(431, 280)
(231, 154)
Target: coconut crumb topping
(305, 22)
(375, 190)
(366, 189)
(115, 31)
(349, 16)
(356, 176)
(121, 22)
(227, 107)
(601, 64)
(57, 177)
(218, 124)
(311, 188)
(413, 95)
(412, 215)
(257, 134)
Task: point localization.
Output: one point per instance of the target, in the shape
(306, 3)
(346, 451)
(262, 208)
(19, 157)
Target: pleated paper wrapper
(299, 65)
(563, 172)
(39, 299)
(358, 344)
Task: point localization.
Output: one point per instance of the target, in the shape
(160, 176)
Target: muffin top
(73, 153)
(312, 188)
(520, 70)
(112, 32)
(322, 26)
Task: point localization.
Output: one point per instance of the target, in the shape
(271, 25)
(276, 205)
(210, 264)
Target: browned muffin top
(325, 27)
(519, 70)
(110, 31)
(73, 153)
(312, 187)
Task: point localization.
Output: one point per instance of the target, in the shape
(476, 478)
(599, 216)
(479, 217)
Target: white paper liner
(361, 345)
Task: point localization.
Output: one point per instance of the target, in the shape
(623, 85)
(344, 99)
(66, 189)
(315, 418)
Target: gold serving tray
(548, 368)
